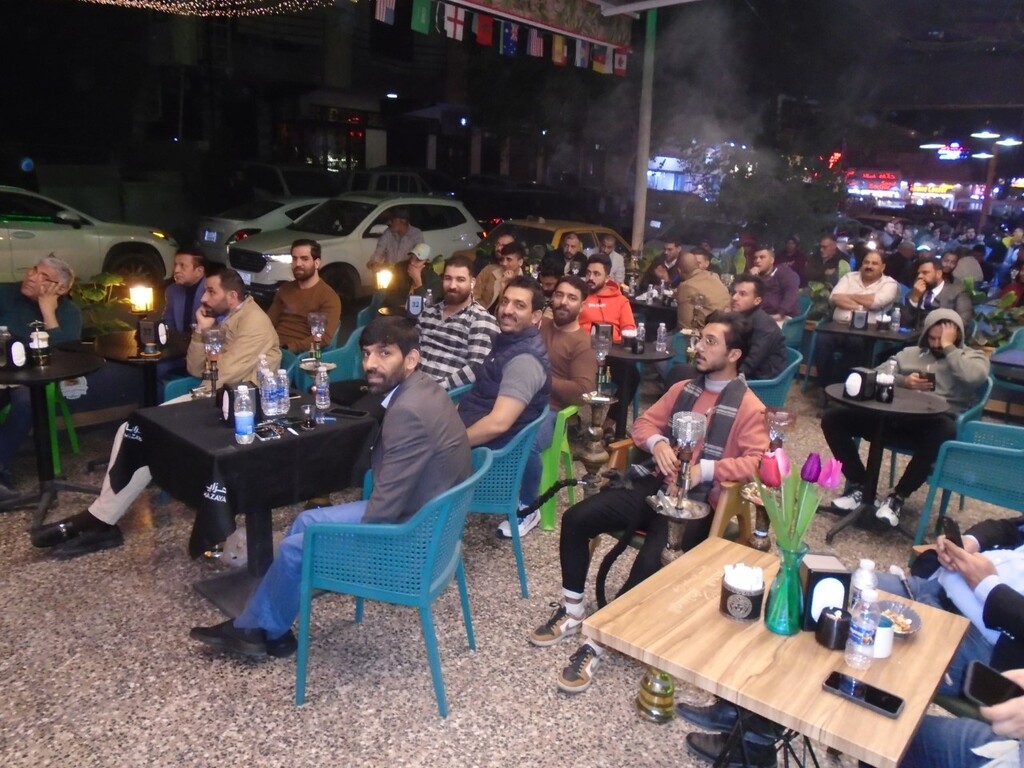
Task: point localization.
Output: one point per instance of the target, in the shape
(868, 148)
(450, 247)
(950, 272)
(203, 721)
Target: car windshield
(334, 217)
(315, 184)
(252, 210)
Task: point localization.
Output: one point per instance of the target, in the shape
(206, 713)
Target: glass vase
(786, 597)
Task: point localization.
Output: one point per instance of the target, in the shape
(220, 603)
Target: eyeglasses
(708, 341)
(37, 272)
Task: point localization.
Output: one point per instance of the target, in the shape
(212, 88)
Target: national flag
(535, 44)
(454, 21)
(385, 11)
(484, 29)
(602, 58)
(421, 16)
(509, 39)
(619, 65)
(559, 50)
(582, 53)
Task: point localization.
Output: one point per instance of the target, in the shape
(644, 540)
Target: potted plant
(996, 323)
(104, 305)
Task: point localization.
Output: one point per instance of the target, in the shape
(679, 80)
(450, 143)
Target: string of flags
(451, 19)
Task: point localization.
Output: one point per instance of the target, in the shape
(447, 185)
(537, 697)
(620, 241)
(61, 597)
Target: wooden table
(671, 621)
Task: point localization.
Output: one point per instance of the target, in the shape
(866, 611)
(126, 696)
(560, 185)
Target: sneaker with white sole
(890, 510)
(526, 524)
(560, 626)
(850, 501)
(577, 677)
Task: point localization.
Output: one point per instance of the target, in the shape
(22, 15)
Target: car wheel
(136, 265)
(345, 281)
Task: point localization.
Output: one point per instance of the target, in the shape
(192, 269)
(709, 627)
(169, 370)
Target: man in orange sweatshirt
(605, 303)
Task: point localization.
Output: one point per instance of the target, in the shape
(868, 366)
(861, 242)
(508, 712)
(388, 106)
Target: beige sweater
(248, 333)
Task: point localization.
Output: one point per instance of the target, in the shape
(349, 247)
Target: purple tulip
(811, 469)
(831, 474)
(769, 470)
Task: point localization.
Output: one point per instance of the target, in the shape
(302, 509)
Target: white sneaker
(850, 501)
(890, 510)
(526, 524)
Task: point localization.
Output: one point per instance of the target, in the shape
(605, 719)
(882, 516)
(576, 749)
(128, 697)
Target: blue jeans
(534, 468)
(275, 603)
(974, 646)
(942, 742)
(16, 426)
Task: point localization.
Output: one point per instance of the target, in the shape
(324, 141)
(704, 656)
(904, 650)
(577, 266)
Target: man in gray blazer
(421, 451)
(931, 291)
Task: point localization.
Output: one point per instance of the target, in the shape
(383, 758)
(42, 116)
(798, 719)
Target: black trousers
(923, 437)
(852, 352)
(612, 510)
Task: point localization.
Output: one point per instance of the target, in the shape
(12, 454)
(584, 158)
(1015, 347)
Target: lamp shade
(141, 297)
(384, 279)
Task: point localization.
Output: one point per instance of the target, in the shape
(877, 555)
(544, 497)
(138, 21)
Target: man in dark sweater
(512, 387)
(41, 297)
(767, 354)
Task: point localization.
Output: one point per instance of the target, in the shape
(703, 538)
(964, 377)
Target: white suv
(347, 228)
(33, 226)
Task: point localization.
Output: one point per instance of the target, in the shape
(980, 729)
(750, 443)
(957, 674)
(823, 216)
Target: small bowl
(901, 614)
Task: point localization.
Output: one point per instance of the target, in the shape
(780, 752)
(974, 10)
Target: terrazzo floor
(97, 669)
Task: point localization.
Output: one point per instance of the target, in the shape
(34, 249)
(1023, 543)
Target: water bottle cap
(243, 389)
(867, 565)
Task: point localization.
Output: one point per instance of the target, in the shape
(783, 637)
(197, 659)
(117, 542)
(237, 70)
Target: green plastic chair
(558, 451)
(54, 400)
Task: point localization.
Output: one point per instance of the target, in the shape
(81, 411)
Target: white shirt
(886, 291)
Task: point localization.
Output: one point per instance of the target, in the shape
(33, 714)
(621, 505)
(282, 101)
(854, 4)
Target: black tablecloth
(194, 457)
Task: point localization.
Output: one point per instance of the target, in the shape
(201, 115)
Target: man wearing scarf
(735, 439)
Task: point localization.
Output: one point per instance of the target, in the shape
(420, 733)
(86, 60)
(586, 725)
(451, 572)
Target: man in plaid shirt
(455, 335)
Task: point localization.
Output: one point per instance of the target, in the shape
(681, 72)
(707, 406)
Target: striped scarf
(720, 417)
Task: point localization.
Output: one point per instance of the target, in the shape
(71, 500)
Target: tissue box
(826, 584)
(860, 384)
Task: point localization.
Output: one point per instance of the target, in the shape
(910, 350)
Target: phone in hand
(868, 696)
(986, 687)
(951, 530)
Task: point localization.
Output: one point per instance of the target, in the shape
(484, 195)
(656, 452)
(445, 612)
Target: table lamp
(384, 277)
(151, 334)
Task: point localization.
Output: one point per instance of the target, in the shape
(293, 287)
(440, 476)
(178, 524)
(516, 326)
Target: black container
(833, 628)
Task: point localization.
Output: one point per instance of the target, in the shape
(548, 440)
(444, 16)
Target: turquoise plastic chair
(556, 453)
(180, 386)
(773, 392)
(347, 359)
(793, 327)
(983, 463)
(457, 393)
(288, 357)
(367, 313)
(408, 563)
(498, 491)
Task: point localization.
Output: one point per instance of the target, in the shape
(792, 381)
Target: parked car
(270, 180)
(546, 234)
(216, 233)
(400, 180)
(347, 228)
(33, 226)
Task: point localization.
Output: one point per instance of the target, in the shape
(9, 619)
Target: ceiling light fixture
(1009, 141)
(985, 134)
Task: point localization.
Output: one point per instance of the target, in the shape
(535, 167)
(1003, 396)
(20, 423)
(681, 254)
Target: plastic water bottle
(428, 300)
(323, 393)
(268, 392)
(661, 344)
(860, 648)
(897, 318)
(281, 392)
(245, 419)
(863, 578)
(641, 332)
(5, 339)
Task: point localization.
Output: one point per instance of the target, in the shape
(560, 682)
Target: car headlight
(280, 258)
(159, 235)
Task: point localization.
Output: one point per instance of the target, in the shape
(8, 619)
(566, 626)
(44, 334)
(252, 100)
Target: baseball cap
(421, 251)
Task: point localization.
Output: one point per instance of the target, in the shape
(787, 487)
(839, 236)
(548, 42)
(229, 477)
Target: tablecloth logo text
(216, 492)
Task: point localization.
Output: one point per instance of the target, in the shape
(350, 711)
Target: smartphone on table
(868, 696)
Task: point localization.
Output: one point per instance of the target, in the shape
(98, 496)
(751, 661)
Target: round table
(654, 314)
(124, 349)
(907, 405)
(624, 374)
(63, 365)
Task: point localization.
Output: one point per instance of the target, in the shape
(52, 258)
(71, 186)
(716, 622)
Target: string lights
(221, 7)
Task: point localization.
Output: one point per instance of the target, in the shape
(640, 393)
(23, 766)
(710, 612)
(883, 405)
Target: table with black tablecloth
(623, 363)
(193, 455)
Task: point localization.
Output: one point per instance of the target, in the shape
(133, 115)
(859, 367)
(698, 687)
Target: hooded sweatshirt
(608, 305)
(958, 372)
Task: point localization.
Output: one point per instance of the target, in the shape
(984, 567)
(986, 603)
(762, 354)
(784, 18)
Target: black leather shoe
(710, 745)
(227, 637)
(65, 530)
(87, 542)
(282, 647)
(721, 716)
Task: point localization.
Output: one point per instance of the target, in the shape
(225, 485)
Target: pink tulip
(831, 474)
(769, 470)
(783, 460)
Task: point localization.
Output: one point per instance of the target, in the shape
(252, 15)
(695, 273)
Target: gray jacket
(958, 372)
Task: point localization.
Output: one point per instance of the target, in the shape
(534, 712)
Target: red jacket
(608, 305)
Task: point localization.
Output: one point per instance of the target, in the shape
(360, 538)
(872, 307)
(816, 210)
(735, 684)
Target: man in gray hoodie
(958, 372)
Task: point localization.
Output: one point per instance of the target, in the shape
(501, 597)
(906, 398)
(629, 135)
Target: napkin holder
(825, 582)
(860, 384)
(226, 403)
(601, 331)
